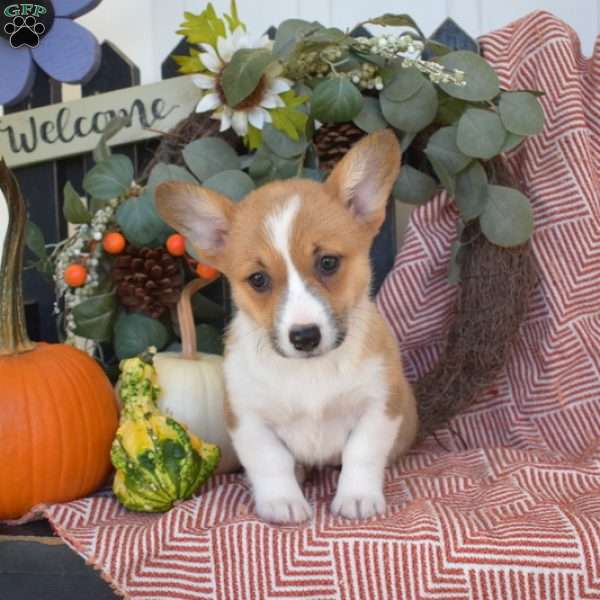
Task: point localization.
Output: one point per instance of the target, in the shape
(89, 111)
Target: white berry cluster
(79, 249)
(437, 73)
(389, 45)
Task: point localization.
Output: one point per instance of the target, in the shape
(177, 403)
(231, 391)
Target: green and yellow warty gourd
(158, 461)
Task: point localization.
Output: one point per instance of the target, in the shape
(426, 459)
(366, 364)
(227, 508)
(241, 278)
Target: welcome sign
(60, 130)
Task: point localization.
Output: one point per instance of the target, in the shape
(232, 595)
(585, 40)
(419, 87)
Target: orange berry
(206, 271)
(75, 275)
(176, 245)
(114, 243)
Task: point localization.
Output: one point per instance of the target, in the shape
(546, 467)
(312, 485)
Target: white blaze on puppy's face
(300, 307)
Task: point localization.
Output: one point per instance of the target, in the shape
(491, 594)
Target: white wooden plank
(316, 10)
(129, 26)
(427, 13)
(467, 14)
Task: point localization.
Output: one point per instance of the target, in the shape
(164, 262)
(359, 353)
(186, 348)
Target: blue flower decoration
(68, 53)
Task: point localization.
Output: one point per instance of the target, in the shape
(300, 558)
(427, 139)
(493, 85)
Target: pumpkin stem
(13, 330)
(185, 316)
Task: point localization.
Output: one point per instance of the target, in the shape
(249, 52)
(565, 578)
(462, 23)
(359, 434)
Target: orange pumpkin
(58, 414)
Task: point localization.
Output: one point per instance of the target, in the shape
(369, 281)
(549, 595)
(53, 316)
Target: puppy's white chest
(313, 404)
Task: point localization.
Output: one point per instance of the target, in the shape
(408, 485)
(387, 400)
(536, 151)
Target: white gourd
(193, 385)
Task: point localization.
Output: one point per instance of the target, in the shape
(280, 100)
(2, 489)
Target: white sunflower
(254, 109)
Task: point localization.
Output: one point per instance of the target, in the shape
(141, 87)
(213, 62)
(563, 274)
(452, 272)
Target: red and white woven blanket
(517, 514)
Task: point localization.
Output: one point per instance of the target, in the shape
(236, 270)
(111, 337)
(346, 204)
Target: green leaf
(323, 36)
(512, 141)
(205, 309)
(314, 174)
(370, 118)
(450, 109)
(480, 133)
(336, 101)
(139, 220)
(208, 156)
(135, 333)
(442, 147)
(102, 151)
(446, 178)
(403, 84)
(95, 317)
(204, 28)
(261, 164)
(507, 219)
(289, 120)
(110, 178)
(434, 48)
(233, 184)
(233, 20)
(166, 172)
(289, 33)
(471, 191)
(74, 210)
(209, 339)
(281, 144)
(413, 114)
(457, 251)
(482, 81)
(243, 73)
(413, 186)
(34, 240)
(521, 113)
(393, 20)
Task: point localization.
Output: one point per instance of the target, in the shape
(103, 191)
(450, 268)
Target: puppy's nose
(305, 337)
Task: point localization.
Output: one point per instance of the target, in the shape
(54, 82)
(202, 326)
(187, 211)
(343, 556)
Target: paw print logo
(24, 31)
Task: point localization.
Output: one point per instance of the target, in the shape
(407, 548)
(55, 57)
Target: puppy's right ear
(202, 216)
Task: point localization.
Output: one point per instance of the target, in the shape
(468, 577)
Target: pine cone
(148, 280)
(333, 140)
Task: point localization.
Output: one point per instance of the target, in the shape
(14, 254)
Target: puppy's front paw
(359, 505)
(283, 510)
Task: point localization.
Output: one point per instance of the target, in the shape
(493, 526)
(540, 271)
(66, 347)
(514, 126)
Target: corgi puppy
(313, 374)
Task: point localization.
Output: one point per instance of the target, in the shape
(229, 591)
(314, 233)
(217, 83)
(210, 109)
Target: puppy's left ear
(363, 179)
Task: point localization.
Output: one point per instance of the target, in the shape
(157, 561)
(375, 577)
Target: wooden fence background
(43, 183)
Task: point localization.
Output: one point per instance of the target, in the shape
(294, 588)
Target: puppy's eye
(328, 265)
(260, 281)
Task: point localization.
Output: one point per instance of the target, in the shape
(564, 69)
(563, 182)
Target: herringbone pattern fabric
(514, 516)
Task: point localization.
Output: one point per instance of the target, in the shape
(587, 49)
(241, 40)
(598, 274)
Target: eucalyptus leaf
(209, 339)
(135, 333)
(481, 80)
(95, 317)
(208, 156)
(511, 141)
(113, 127)
(413, 186)
(34, 240)
(110, 178)
(446, 178)
(289, 33)
(314, 174)
(480, 133)
(403, 84)
(413, 114)
(325, 36)
(457, 251)
(450, 109)
(508, 218)
(243, 73)
(471, 191)
(281, 144)
(394, 20)
(139, 220)
(74, 210)
(521, 113)
(233, 184)
(261, 164)
(442, 147)
(370, 118)
(205, 309)
(336, 101)
(166, 172)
